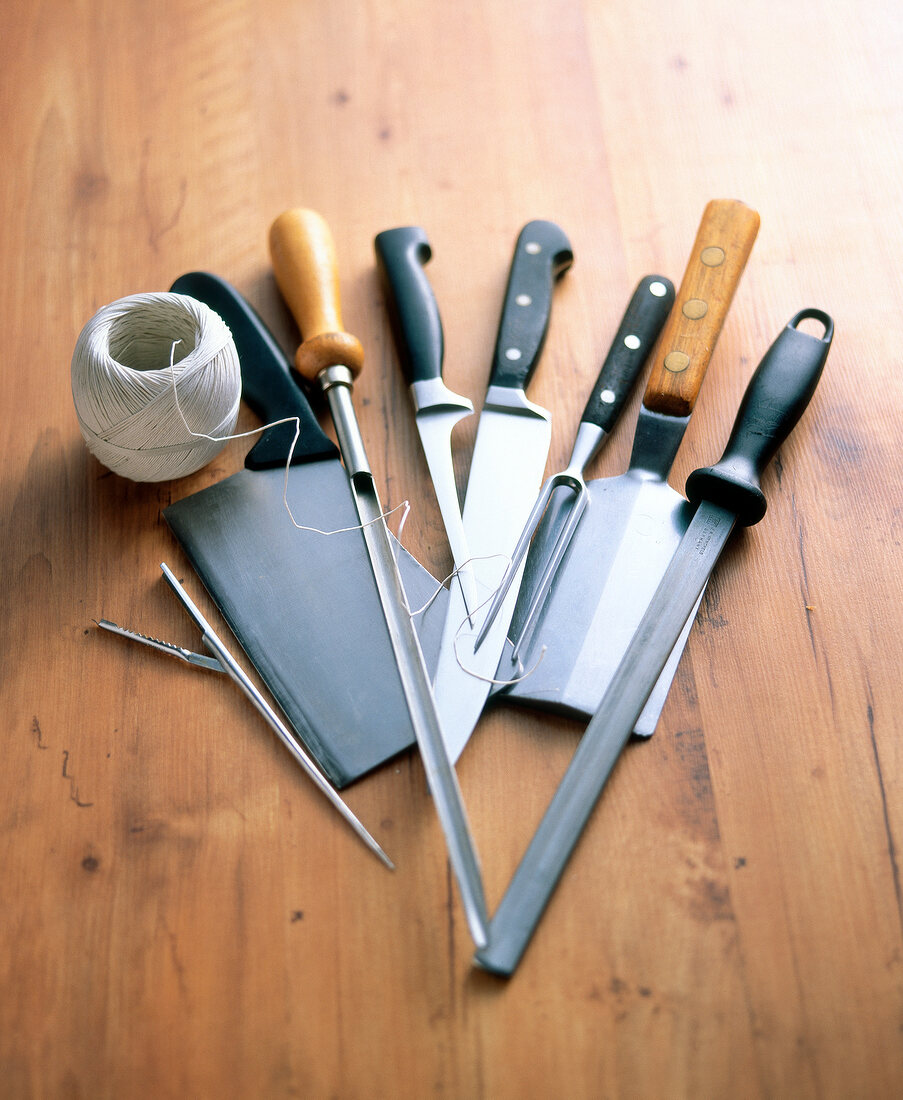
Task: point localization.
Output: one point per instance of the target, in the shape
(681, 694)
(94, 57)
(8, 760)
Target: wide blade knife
(506, 469)
(634, 521)
(304, 263)
(723, 495)
(302, 605)
(417, 327)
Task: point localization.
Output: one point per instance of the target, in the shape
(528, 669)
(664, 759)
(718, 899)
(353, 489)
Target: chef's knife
(303, 605)
(400, 256)
(509, 459)
(304, 262)
(723, 495)
(634, 522)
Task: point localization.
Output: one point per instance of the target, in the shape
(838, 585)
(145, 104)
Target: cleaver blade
(633, 523)
(303, 605)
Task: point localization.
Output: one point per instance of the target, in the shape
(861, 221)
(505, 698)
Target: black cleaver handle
(267, 384)
(642, 322)
(542, 254)
(400, 257)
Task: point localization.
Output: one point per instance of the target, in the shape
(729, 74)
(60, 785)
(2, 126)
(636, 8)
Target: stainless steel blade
(508, 462)
(547, 854)
(629, 530)
(438, 411)
(304, 607)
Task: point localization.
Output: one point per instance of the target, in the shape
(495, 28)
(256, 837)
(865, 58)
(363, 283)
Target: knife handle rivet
(694, 308)
(533, 247)
(607, 397)
(632, 342)
(658, 289)
(676, 361)
(712, 256)
(513, 354)
(524, 300)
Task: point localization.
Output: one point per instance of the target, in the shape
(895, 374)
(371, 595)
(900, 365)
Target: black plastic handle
(775, 399)
(400, 258)
(267, 382)
(643, 320)
(542, 254)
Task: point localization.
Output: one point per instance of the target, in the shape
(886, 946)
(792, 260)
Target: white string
(460, 633)
(123, 388)
(288, 461)
(152, 420)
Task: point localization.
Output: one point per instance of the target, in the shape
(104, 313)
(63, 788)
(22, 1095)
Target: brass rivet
(712, 256)
(676, 361)
(694, 308)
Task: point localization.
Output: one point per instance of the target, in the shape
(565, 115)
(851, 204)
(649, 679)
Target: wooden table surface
(182, 915)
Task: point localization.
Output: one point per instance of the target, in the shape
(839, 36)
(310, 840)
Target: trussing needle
(225, 662)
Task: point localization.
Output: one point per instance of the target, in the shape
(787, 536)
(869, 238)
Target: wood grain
(724, 240)
(182, 914)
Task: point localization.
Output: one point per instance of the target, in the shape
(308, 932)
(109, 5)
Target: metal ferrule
(512, 400)
(589, 439)
(432, 393)
(337, 375)
(655, 444)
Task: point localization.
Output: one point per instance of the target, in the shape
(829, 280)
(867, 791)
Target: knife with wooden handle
(634, 522)
(305, 266)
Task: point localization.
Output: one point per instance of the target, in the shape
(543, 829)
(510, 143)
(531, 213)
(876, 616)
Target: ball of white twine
(157, 385)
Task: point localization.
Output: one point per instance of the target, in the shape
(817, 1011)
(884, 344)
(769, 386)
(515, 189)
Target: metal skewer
(225, 662)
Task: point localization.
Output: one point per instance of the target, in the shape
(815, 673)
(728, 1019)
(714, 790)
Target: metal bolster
(512, 400)
(432, 393)
(588, 439)
(657, 439)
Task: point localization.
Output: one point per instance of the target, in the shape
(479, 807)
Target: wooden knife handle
(304, 262)
(723, 243)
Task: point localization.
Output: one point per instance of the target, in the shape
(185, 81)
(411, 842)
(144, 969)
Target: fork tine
(563, 480)
(553, 561)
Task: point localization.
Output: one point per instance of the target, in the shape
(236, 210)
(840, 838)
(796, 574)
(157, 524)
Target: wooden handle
(304, 262)
(723, 243)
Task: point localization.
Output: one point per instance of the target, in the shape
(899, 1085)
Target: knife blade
(509, 458)
(634, 521)
(640, 326)
(303, 255)
(303, 606)
(417, 327)
(724, 495)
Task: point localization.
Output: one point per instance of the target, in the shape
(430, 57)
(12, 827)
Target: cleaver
(302, 603)
(633, 523)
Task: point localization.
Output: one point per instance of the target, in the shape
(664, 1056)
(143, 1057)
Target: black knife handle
(400, 258)
(542, 254)
(642, 322)
(267, 385)
(775, 399)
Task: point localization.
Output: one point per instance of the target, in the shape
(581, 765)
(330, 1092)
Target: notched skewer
(225, 662)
